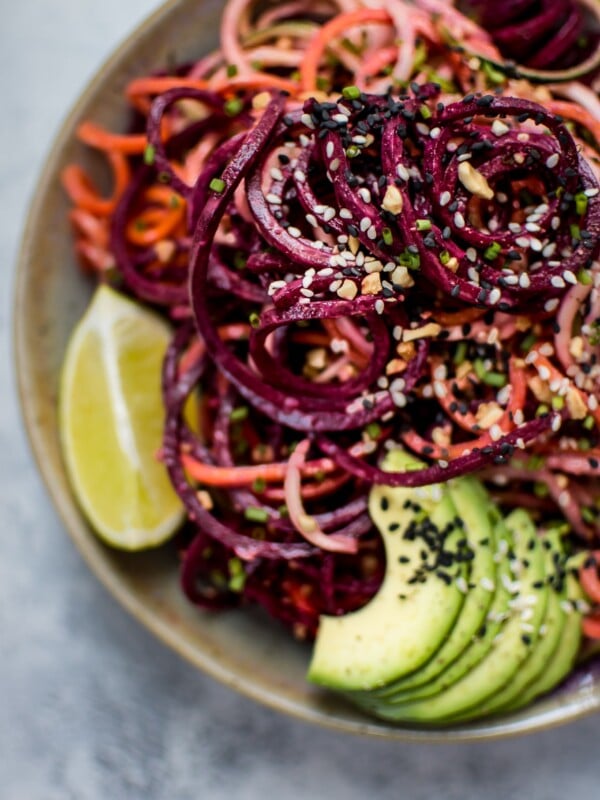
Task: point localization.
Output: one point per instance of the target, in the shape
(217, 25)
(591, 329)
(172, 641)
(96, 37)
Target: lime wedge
(111, 422)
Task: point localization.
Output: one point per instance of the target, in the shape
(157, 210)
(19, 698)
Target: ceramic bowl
(244, 650)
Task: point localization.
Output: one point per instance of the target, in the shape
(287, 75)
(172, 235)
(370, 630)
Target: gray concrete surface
(91, 707)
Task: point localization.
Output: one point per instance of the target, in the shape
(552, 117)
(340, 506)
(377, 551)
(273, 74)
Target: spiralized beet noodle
(367, 240)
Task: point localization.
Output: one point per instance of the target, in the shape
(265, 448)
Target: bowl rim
(81, 537)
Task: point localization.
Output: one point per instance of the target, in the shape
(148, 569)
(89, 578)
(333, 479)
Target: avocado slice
(415, 608)
(510, 648)
(550, 631)
(484, 638)
(562, 660)
(480, 518)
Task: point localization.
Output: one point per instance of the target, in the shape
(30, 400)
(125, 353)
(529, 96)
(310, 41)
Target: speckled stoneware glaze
(244, 650)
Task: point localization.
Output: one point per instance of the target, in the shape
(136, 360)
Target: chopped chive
(387, 236)
(175, 201)
(238, 414)
(239, 261)
(479, 368)
(232, 70)
(541, 490)
(425, 111)
(542, 409)
(351, 92)
(534, 463)
(584, 277)
(423, 225)
(254, 319)
(259, 485)
(575, 231)
(353, 151)
(588, 422)
(444, 257)
(254, 514)
(410, 260)
(558, 403)
(283, 511)
(149, 155)
(233, 107)
(217, 185)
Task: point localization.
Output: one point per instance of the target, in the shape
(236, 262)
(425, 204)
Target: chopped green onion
(461, 353)
(351, 92)
(588, 422)
(493, 75)
(232, 70)
(528, 342)
(353, 151)
(149, 154)
(423, 224)
(237, 575)
(495, 379)
(323, 84)
(410, 260)
(238, 414)
(581, 203)
(387, 236)
(575, 231)
(588, 515)
(373, 430)
(541, 490)
(254, 319)
(254, 514)
(541, 410)
(558, 403)
(259, 485)
(233, 107)
(217, 185)
(584, 277)
(493, 251)
(444, 257)
(283, 511)
(425, 111)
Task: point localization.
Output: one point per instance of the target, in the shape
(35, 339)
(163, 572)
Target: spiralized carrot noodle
(367, 231)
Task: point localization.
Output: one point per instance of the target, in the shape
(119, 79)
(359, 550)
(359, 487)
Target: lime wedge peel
(111, 421)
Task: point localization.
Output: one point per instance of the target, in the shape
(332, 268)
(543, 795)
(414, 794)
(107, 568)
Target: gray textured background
(92, 708)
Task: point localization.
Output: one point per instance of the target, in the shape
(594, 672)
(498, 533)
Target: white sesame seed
(334, 286)
(544, 373)
(593, 402)
(591, 192)
(494, 296)
(382, 382)
(459, 220)
(328, 214)
(465, 157)
(522, 241)
(445, 198)
(549, 250)
(428, 391)
(345, 213)
(546, 350)
(519, 417)
(295, 232)
(439, 389)
(499, 128)
(273, 199)
(372, 233)
(422, 128)
(472, 254)
(511, 280)
(365, 224)
(402, 172)
(570, 277)
(555, 223)
(276, 174)
(329, 149)
(557, 282)
(397, 333)
(514, 227)
(552, 161)
(360, 259)
(435, 133)
(364, 194)
(473, 275)
(325, 272)
(334, 165)
(399, 399)
(495, 433)
(306, 292)
(556, 423)
(312, 220)
(359, 139)
(299, 176)
(305, 119)
(524, 280)
(379, 306)
(532, 227)
(551, 305)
